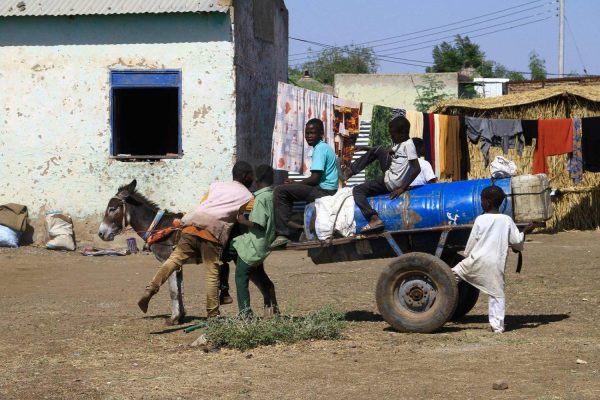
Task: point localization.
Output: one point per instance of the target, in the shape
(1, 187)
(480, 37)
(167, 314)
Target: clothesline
(445, 136)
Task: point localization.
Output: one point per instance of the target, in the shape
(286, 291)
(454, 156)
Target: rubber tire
(467, 293)
(467, 298)
(403, 319)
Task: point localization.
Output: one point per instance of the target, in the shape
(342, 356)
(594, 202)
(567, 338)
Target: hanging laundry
(530, 130)
(436, 141)
(576, 157)
(505, 133)
(416, 123)
(346, 127)
(555, 136)
(398, 112)
(295, 106)
(287, 151)
(465, 161)
(453, 153)
(317, 105)
(442, 142)
(590, 143)
(426, 137)
(432, 139)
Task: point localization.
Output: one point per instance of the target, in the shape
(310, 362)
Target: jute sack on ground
(60, 232)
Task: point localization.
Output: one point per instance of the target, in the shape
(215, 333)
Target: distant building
(96, 93)
(490, 87)
(526, 86)
(393, 90)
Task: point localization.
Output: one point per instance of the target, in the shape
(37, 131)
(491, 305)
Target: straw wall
(579, 206)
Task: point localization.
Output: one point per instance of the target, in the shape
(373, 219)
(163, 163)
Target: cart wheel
(467, 298)
(416, 293)
(467, 293)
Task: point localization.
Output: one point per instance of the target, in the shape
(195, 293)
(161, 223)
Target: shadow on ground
(362, 316)
(514, 322)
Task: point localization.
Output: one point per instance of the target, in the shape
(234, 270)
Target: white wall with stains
(55, 111)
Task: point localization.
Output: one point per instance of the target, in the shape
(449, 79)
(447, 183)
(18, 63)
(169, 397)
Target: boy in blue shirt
(323, 181)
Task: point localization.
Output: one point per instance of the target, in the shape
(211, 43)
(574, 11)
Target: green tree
(515, 76)
(452, 57)
(537, 66)
(341, 60)
(430, 93)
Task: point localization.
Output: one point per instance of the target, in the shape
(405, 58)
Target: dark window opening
(145, 114)
(146, 122)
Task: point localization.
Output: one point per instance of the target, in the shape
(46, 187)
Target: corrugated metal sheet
(9, 8)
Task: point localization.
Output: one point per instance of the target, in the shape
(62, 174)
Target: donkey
(130, 208)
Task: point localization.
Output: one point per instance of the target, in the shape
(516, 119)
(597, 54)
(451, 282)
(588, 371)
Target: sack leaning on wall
(60, 231)
(9, 237)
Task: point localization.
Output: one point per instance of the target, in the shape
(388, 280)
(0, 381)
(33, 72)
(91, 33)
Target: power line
(457, 22)
(576, 47)
(450, 24)
(426, 41)
(467, 26)
(474, 36)
(395, 60)
(383, 58)
(328, 46)
(462, 33)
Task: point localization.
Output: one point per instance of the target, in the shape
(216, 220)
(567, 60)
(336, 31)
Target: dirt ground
(71, 330)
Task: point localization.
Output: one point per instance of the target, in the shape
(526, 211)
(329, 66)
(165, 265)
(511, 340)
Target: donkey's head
(116, 217)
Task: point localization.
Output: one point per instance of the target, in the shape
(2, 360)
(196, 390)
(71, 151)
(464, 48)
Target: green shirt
(253, 247)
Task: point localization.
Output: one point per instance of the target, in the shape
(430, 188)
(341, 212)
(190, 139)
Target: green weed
(245, 333)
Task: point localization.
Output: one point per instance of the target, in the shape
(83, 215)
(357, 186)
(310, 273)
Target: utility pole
(561, 40)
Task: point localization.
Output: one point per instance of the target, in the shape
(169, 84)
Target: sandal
(279, 242)
(372, 229)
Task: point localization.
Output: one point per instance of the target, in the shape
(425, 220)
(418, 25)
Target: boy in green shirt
(252, 248)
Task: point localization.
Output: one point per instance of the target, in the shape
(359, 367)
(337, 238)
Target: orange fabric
(443, 120)
(201, 233)
(555, 136)
(453, 156)
(205, 234)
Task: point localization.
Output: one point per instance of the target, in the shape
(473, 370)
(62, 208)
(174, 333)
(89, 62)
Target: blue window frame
(145, 114)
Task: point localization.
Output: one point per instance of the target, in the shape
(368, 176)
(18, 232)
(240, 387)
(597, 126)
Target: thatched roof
(589, 93)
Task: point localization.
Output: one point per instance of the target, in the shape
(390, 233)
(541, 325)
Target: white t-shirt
(403, 153)
(425, 175)
(487, 251)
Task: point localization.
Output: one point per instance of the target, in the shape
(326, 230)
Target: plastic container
(427, 206)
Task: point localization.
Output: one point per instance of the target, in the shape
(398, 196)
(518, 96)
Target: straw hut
(579, 206)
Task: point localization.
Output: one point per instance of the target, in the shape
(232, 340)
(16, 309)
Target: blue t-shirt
(323, 159)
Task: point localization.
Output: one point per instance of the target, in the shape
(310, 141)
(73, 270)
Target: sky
(416, 26)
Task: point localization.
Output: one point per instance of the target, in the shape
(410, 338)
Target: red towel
(555, 136)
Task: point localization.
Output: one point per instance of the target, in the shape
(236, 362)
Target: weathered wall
(55, 111)
(392, 90)
(261, 45)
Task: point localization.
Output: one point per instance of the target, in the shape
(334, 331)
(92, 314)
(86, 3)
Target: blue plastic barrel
(427, 206)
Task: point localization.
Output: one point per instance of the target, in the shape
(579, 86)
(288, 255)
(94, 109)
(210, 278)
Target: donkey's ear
(125, 191)
(132, 185)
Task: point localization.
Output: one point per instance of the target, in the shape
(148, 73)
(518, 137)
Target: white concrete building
(94, 94)
(490, 87)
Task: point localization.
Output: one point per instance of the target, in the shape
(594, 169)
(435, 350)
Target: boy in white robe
(486, 253)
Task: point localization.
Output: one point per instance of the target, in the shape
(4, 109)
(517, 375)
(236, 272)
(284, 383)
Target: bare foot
(346, 172)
